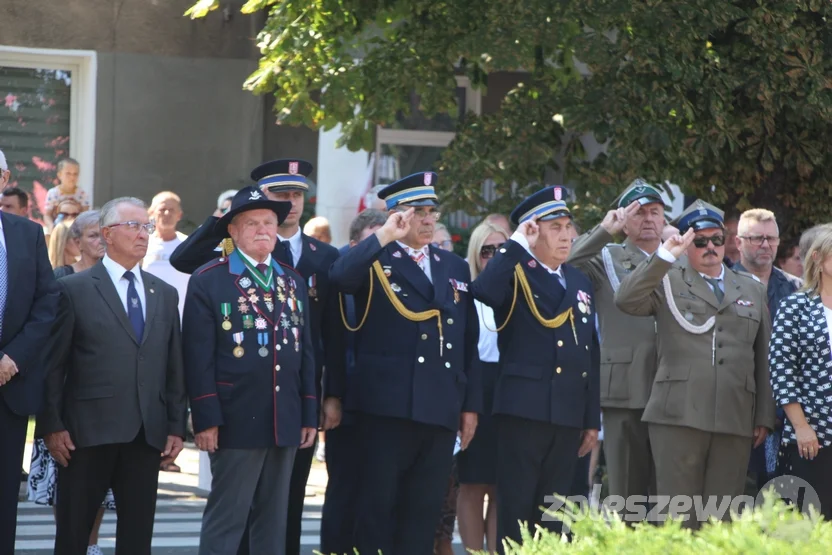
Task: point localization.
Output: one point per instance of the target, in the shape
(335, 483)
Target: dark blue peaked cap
(413, 190)
(547, 204)
(699, 215)
(283, 175)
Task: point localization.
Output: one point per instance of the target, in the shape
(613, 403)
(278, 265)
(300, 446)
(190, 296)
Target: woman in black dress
(477, 465)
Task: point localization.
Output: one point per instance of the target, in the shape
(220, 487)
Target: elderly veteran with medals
(415, 384)
(628, 343)
(250, 375)
(546, 401)
(711, 399)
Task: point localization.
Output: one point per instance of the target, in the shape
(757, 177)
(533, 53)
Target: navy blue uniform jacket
(399, 371)
(544, 375)
(313, 266)
(256, 401)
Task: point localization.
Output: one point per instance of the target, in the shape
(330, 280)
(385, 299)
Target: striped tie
(418, 257)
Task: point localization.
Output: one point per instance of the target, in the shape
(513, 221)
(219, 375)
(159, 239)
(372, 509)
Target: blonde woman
(799, 367)
(62, 251)
(478, 464)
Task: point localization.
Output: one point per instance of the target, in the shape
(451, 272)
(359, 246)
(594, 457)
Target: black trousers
(12, 441)
(818, 472)
(534, 460)
(132, 470)
(297, 498)
(404, 467)
(342, 490)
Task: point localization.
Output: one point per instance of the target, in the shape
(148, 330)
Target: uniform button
(141, 357)
(450, 321)
(587, 347)
(720, 345)
(558, 370)
(277, 388)
(502, 250)
(719, 328)
(277, 368)
(583, 375)
(720, 361)
(277, 347)
(447, 365)
(424, 336)
(560, 343)
(448, 345)
(421, 359)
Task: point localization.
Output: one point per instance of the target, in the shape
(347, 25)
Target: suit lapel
(405, 267)
(108, 291)
(441, 279)
(151, 299)
(308, 257)
(571, 289)
(12, 261)
(699, 287)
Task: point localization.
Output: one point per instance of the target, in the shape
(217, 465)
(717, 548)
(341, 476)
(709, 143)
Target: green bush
(775, 528)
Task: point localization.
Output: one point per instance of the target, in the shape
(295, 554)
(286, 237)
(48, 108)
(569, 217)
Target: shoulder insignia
(218, 262)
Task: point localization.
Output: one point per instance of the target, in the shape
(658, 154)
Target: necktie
(262, 268)
(4, 282)
(134, 306)
(287, 253)
(714, 283)
(419, 258)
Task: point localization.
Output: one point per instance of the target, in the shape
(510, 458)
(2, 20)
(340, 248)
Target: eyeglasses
(702, 242)
(488, 251)
(757, 240)
(135, 226)
(421, 214)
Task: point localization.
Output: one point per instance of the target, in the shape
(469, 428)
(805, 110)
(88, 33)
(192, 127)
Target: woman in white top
(477, 464)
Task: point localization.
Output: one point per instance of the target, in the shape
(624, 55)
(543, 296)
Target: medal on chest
(225, 309)
(238, 350)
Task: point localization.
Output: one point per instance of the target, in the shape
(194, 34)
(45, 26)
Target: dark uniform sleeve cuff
(310, 412)
(206, 412)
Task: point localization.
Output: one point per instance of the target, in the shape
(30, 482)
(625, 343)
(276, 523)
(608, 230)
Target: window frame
(83, 65)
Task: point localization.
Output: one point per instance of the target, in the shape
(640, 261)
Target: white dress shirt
(268, 261)
(518, 237)
(296, 245)
(487, 344)
(425, 261)
(2, 235)
(116, 272)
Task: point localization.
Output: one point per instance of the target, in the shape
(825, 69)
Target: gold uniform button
(558, 370)
(424, 336)
(447, 365)
(421, 359)
(450, 321)
(560, 343)
(583, 375)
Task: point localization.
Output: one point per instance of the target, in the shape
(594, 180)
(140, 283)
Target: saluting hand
(396, 227)
(530, 230)
(614, 221)
(678, 244)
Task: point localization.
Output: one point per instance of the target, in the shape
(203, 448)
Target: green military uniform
(628, 352)
(712, 386)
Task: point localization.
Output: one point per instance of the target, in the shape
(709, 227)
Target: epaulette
(614, 245)
(213, 264)
(747, 274)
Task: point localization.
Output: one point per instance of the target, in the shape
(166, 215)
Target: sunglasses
(702, 242)
(488, 251)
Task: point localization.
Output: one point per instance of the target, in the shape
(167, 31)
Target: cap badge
(428, 178)
(558, 193)
(293, 168)
(255, 195)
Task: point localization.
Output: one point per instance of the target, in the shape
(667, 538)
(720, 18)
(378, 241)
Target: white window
(415, 143)
(47, 112)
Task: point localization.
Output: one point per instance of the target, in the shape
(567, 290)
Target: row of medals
(260, 323)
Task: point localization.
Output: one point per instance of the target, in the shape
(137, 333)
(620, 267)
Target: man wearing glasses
(414, 388)
(711, 398)
(117, 352)
(758, 237)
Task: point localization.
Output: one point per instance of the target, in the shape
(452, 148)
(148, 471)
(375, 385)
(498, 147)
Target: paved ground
(178, 515)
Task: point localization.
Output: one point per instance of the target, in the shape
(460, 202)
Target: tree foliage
(728, 99)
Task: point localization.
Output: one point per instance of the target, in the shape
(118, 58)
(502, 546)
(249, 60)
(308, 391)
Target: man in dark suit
(342, 463)
(547, 400)
(286, 180)
(415, 385)
(28, 302)
(250, 371)
(115, 391)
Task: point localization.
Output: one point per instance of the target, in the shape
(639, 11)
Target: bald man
(318, 227)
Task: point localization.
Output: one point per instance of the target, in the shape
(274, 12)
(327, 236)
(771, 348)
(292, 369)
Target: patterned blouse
(800, 363)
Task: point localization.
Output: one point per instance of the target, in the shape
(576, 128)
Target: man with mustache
(711, 399)
(415, 385)
(628, 343)
(757, 239)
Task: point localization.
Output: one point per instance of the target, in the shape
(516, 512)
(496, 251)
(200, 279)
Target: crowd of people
(445, 389)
